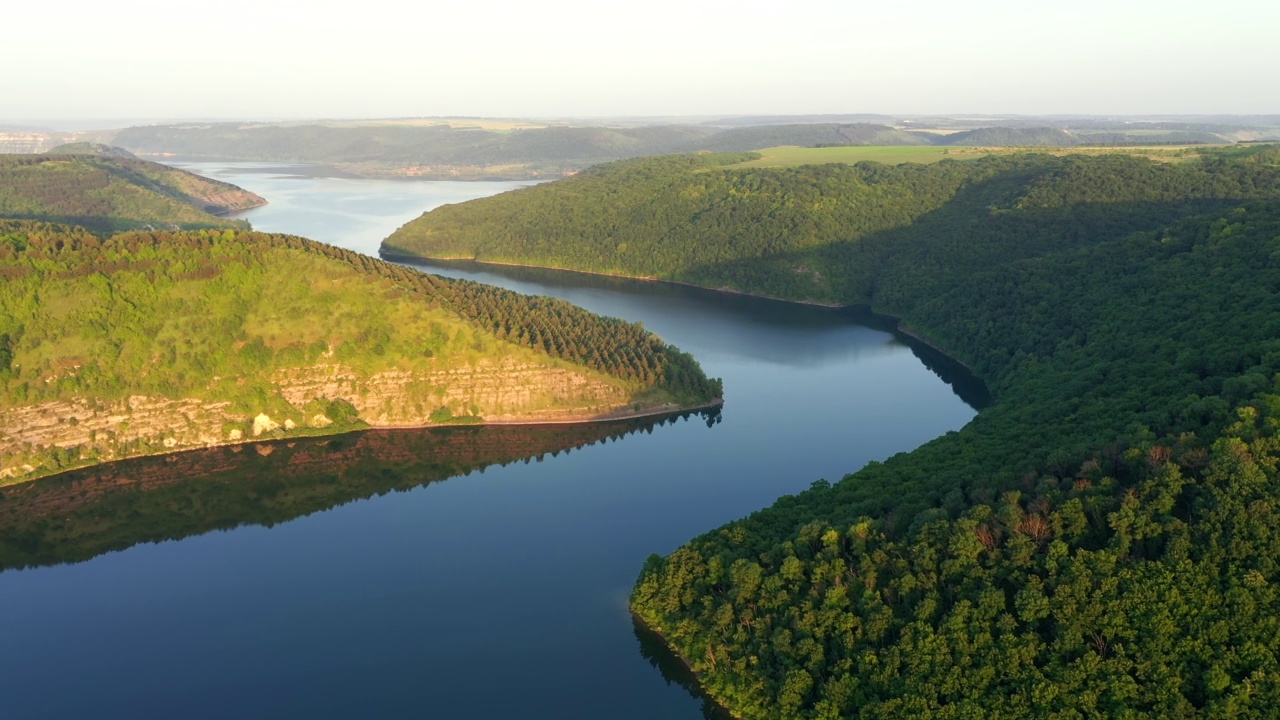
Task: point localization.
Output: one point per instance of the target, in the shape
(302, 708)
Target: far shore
(897, 325)
(646, 278)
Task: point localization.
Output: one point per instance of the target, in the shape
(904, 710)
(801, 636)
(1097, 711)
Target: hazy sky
(374, 58)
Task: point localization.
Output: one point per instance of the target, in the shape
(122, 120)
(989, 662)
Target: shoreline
(399, 257)
(894, 323)
(225, 212)
(568, 420)
(927, 343)
(702, 688)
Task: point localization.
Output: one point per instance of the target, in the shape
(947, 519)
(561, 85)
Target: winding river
(469, 573)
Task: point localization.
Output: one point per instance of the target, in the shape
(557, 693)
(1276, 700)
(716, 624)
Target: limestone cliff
(507, 391)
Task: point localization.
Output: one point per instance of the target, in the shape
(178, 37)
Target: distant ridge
(93, 187)
(90, 148)
(744, 139)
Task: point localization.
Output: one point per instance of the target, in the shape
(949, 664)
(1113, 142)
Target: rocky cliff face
(88, 430)
(505, 392)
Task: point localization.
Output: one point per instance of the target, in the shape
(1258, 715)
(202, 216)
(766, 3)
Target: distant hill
(827, 119)
(993, 136)
(147, 342)
(107, 193)
(434, 151)
(88, 148)
(809, 135)
(474, 149)
(1176, 137)
(797, 232)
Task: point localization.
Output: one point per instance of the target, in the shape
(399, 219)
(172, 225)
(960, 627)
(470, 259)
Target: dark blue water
(499, 594)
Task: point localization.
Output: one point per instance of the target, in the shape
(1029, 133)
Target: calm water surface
(496, 594)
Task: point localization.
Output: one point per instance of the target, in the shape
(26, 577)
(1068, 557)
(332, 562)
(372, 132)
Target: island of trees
(1103, 540)
(152, 341)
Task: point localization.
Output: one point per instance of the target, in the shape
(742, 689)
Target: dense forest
(824, 232)
(84, 513)
(97, 187)
(1101, 541)
(149, 340)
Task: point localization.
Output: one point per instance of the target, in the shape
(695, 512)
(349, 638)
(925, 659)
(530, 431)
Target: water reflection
(674, 670)
(710, 323)
(79, 515)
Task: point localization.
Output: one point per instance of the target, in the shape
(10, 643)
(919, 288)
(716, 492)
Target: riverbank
(619, 414)
(678, 670)
(398, 257)
(974, 388)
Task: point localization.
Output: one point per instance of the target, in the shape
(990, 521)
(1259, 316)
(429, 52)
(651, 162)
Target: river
(381, 588)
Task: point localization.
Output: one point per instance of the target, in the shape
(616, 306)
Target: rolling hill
(149, 342)
(105, 192)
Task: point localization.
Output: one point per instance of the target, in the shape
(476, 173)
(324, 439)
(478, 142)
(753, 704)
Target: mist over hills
(486, 148)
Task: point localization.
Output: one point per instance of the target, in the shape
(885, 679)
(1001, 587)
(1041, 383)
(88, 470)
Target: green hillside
(89, 148)
(146, 342)
(107, 193)
(810, 135)
(1101, 541)
(1021, 137)
(822, 232)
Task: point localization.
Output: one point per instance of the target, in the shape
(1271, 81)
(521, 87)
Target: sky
(261, 59)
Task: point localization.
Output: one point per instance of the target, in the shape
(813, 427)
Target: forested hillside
(97, 188)
(823, 232)
(1101, 541)
(150, 341)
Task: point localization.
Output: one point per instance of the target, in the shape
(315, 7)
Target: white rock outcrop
(263, 423)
